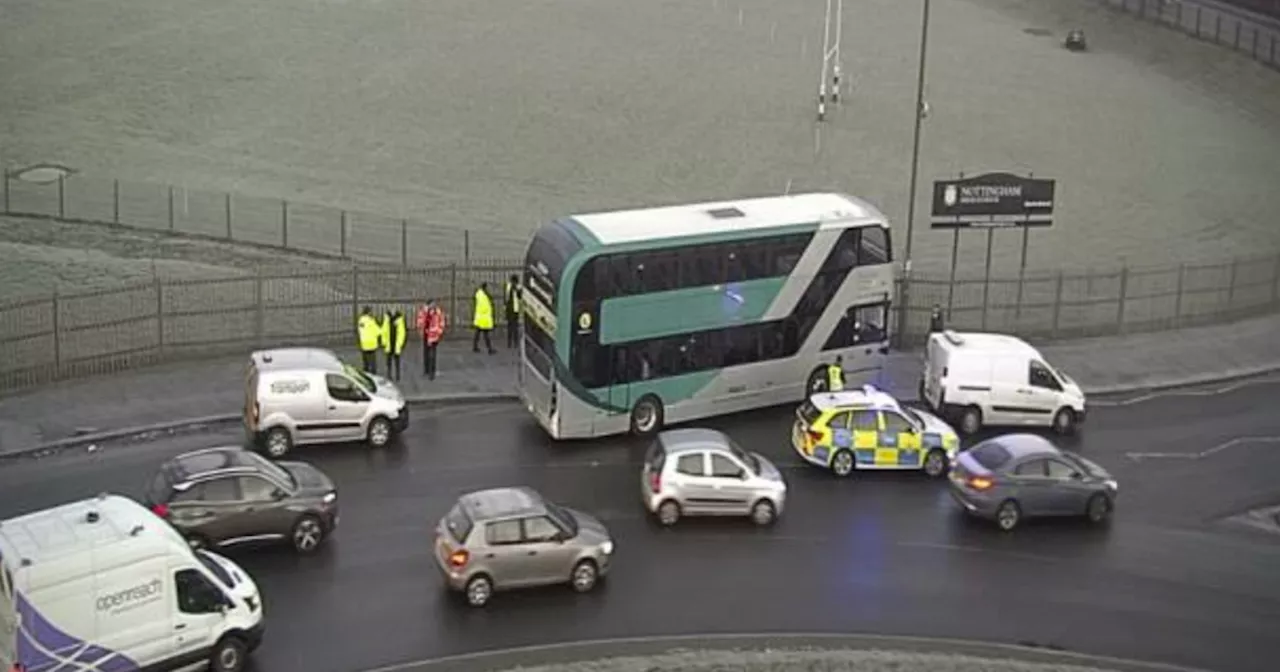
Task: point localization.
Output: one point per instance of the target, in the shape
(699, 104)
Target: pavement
(173, 397)
(879, 554)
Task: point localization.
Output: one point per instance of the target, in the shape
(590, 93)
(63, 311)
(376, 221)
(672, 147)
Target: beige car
(513, 538)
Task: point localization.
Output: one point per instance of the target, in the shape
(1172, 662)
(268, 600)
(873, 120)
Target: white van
(976, 379)
(105, 584)
(296, 396)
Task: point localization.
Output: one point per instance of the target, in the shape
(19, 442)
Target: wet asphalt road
(884, 553)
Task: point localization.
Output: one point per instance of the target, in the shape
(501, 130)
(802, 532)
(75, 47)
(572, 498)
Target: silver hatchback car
(513, 538)
(702, 472)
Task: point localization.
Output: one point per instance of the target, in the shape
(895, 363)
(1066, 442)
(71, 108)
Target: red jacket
(431, 322)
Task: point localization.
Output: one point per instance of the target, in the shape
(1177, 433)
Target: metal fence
(74, 335)
(1255, 35)
(63, 195)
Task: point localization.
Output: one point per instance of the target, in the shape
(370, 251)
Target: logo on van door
(130, 597)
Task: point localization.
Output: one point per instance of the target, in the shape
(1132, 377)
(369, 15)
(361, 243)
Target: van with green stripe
(638, 319)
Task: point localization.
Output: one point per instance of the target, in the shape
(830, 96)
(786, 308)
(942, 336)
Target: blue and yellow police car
(868, 429)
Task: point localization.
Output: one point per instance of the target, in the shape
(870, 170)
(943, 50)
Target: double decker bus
(638, 319)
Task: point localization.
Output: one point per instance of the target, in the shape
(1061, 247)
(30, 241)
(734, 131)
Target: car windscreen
(744, 457)
(273, 470)
(913, 417)
(216, 569)
(360, 377)
(990, 455)
(459, 523)
(563, 517)
(1091, 467)
(160, 489)
(809, 413)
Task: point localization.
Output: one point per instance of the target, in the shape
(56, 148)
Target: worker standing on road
(935, 319)
(482, 319)
(511, 302)
(835, 375)
(431, 323)
(396, 337)
(370, 334)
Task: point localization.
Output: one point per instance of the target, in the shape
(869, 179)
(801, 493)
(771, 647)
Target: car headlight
(330, 498)
(1111, 485)
(607, 548)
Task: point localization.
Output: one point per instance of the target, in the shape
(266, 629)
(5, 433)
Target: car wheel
(842, 463)
(479, 590)
(229, 655)
(278, 443)
(1064, 421)
(935, 464)
(646, 416)
(307, 534)
(1098, 509)
(763, 513)
(1008, 515)
(584, 576)
(971, 420)
(817, 382)
(379, 432)
(198, 542)
(669, 513)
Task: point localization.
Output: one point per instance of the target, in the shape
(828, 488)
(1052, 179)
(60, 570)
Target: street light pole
(915, 168)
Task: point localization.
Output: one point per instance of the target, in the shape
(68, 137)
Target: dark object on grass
(1075, 41)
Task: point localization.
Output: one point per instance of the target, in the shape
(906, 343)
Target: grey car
(223, 496)
(1017, 476)
(508, 538)
(703, 472)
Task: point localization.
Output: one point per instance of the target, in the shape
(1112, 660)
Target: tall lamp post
(915, 170)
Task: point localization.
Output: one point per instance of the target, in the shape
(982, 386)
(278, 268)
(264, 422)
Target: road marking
(1108, 403)
(1238, 441)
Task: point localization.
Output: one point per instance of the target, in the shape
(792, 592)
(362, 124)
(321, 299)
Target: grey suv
(223, 496)
(513, 538)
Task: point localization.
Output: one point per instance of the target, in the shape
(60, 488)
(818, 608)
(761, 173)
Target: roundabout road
(884, 553)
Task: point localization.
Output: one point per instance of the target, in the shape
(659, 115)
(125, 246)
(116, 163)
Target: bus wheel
(817, 382)
(646, 416)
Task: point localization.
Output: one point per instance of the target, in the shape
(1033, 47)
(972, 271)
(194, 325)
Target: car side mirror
(1077, 476)
(279, 495)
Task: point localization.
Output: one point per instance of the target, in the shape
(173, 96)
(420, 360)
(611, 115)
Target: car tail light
(459, 558)
(161, 510)
(981, 482)
(655, 482)
(814, 437)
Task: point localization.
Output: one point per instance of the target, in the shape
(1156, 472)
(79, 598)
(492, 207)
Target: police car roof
(283, 359)
(868, 396)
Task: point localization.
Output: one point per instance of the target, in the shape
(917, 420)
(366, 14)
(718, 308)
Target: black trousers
(475, 340)
(393, 366)
(429, 359)
(370, 360)
(513, 331)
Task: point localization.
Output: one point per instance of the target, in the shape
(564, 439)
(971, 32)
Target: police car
(868, 429)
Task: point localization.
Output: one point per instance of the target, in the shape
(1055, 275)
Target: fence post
(159, 310)
(1142, 9)
(170, 207)
(1197, 21)
(284, 223)
(227, 202)
(56, 305)
(6, 170)
(1178, 9)
(342, 233)
(1231, 286)
(1177, 297)
(404, 242)
(1237, 43)
(115, 201)
(355, 293)
(453, 291)
(1057, 304)
(1253, 51)
(1275, 282)
(1217, 30)
(260, 314)
(1124, 293)
(62, 197)
(1273, 56)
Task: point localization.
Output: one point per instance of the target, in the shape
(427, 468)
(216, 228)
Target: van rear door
(251, 407)
(8, 619)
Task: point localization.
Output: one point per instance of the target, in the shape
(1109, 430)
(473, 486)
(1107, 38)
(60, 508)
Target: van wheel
(584, 576)
(971, 420)
(1064, 422)
(379, 432)
(935, 464)
(228, 655)
(278, 443)
(479, 589)
(817, 382)
(842, 463)
(647, 416)
(307, 534)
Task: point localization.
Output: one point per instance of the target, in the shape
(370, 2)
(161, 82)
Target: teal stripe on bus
(632, 318)
(673, 389)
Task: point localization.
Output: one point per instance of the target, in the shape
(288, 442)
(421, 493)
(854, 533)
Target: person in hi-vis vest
(431, 322)
(396, 334)
(835, 375)
(482, 320)
(511, 302)
(369, 333)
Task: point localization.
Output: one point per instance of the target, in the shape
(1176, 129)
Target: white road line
(1107, 403)
(1238, 441)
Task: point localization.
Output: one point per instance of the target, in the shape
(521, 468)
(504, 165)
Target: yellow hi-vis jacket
(835, 378)
(483, 318)
(384, 333)
(397, 335)
(370, 333)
